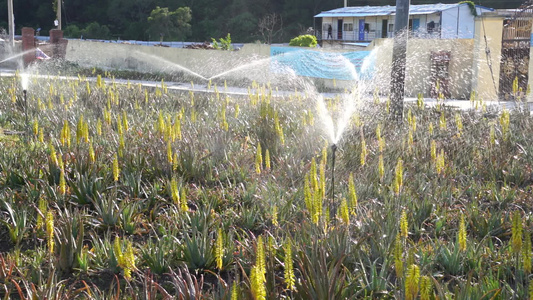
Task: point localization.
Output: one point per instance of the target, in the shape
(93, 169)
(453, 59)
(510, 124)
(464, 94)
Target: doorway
(384, 27)
(339, 29)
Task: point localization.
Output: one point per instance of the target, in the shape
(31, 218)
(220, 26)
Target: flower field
(121, 191)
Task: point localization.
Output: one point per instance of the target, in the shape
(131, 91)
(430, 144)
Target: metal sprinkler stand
(333, 150)
(25, 95)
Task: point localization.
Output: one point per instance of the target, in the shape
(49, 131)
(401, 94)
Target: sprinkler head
(334, 147)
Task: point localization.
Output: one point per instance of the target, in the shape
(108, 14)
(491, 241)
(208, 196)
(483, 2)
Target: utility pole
(11, 22)
(399, 57)
(59, 14)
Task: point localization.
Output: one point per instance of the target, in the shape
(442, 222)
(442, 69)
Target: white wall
(458, 22)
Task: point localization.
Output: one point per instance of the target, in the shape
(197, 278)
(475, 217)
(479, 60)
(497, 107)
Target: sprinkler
(333, 150)
(25, 95)
(24, 81)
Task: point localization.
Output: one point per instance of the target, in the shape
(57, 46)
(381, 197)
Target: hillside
(128, 19)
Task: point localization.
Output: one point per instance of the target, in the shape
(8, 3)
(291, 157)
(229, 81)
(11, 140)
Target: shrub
(96, 31)
(223, 44)
(305, 40)
(72, 31)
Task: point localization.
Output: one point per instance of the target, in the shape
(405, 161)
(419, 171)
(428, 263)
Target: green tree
(242, 26)
(170, 25)
(72, 31)
(96, 31)
(129, 18)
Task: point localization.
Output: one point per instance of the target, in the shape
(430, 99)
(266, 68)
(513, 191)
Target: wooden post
(11, 25)
(399, 55)
(59, 14)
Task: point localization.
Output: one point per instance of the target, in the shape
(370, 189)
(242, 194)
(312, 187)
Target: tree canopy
(130, 19)
(170, 25)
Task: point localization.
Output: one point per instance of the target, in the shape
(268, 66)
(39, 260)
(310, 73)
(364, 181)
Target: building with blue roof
(366, 23)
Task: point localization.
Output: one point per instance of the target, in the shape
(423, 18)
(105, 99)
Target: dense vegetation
(128, 19)
(118, 191)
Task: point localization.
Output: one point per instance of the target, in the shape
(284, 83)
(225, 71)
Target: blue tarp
(319, 64)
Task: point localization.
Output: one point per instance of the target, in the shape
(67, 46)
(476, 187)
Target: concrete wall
(482, 78)
(418, 71)
(252, 60)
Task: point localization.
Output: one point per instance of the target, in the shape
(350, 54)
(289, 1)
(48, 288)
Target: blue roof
(372, 11)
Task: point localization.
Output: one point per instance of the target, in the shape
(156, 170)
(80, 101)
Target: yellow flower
(169, 152)
(174, 191)
(398, 254)
(440, 163)
(219, 249)
(234, 291)
(289, 277)
(461, 236)
(492, 135)
(426, 289)
(398, 178)
(381, 167)
(258, 159)
(459, 124)
(258, 272)
(53, 155)
(411, 282)
(92, 156)
(433, 151)
(526, 252)
(344, 212)
(267, 160)
(352, 195)
(404, 225)
(275, 215)
(62, 182)
(116, 170)
(35, 127)
(364, 152)
(43, 209)
(442, 122)
(50, 230)
(183, 201)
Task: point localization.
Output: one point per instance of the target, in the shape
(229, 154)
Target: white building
(366, 23)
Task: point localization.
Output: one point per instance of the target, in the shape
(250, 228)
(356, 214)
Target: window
(431, 27)
(367, 27)
(391, 27)
(348, 26)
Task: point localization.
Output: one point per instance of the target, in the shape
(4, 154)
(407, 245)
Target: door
(384, 27)
(339, 29)
(416, 24)
(362, 29)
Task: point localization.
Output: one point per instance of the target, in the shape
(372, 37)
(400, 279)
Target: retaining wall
(206, 63)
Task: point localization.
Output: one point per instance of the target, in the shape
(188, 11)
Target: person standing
(330, 31)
